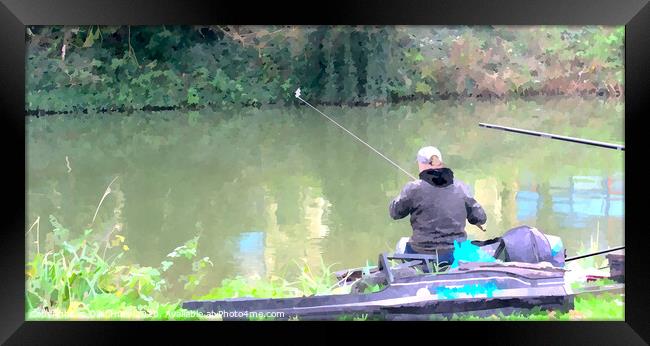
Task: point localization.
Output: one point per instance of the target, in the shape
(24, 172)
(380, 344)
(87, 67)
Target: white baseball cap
(424, 154)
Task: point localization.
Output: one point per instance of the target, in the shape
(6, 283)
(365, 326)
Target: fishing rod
(355, 136)
(297, 94)
(552, 136)
(593, 253)
(566, 139)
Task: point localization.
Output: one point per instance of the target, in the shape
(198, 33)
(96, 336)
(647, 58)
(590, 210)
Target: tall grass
(87, 277)
(310, 281)
(79, 279)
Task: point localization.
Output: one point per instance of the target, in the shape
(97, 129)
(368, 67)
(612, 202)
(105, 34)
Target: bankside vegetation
(125, 68)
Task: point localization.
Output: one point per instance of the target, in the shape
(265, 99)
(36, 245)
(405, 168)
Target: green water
(268, 187)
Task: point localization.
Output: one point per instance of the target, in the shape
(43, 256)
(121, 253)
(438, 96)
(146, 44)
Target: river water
(266, 188)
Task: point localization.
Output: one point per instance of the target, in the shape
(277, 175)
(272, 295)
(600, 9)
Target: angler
(438, 204)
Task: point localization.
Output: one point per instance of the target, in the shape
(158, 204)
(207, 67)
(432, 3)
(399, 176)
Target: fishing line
(355, 136)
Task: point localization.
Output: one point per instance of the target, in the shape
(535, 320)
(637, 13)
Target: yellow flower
(125, 247)
(30, 272)
(118, 239)
(74, 306)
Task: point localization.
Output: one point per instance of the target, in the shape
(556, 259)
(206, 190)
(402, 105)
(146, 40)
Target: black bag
(525, 244)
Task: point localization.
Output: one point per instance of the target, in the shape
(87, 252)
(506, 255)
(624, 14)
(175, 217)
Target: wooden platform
(470, 287)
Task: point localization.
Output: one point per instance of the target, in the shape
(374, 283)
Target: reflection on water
(272, 187)
(250, 254)
(577, 201)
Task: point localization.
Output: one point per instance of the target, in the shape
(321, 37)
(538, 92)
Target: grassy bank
(87, 278)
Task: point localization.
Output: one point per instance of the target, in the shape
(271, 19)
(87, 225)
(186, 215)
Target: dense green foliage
(142, 67)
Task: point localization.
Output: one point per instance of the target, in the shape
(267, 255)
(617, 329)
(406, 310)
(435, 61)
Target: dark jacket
(439, 206)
